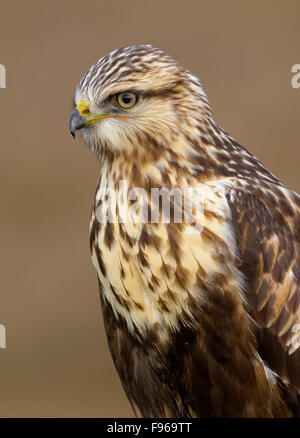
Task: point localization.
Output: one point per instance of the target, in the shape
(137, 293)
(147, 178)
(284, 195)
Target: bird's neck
(187, 159)
(201, 152)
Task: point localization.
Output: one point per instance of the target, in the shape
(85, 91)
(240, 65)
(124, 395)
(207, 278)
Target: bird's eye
(125, 100)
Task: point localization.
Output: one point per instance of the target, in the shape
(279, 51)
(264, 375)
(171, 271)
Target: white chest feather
(154, 273)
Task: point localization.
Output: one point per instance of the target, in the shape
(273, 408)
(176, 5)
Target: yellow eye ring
(126, 100)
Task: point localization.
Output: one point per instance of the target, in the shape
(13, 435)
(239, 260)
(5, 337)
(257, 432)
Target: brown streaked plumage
(203, 319)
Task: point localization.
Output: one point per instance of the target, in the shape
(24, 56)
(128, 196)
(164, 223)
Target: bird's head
(136, 98)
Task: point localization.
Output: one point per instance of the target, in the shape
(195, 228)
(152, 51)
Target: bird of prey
(202, 315)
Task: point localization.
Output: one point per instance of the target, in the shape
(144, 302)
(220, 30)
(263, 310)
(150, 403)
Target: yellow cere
(84, 111)
(83, 108)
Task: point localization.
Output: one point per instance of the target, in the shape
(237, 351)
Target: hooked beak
(77, 121)
(81, 117)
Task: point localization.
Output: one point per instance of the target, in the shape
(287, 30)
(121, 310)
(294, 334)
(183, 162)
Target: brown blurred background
(57, 362)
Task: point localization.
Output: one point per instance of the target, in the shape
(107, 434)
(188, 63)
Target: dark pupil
(126, 98)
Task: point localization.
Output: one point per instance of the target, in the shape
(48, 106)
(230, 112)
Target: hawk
(202, 316)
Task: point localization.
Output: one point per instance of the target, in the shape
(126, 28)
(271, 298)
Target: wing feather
(266, 223)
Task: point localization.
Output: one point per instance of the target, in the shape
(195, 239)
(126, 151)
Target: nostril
(83, 109)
